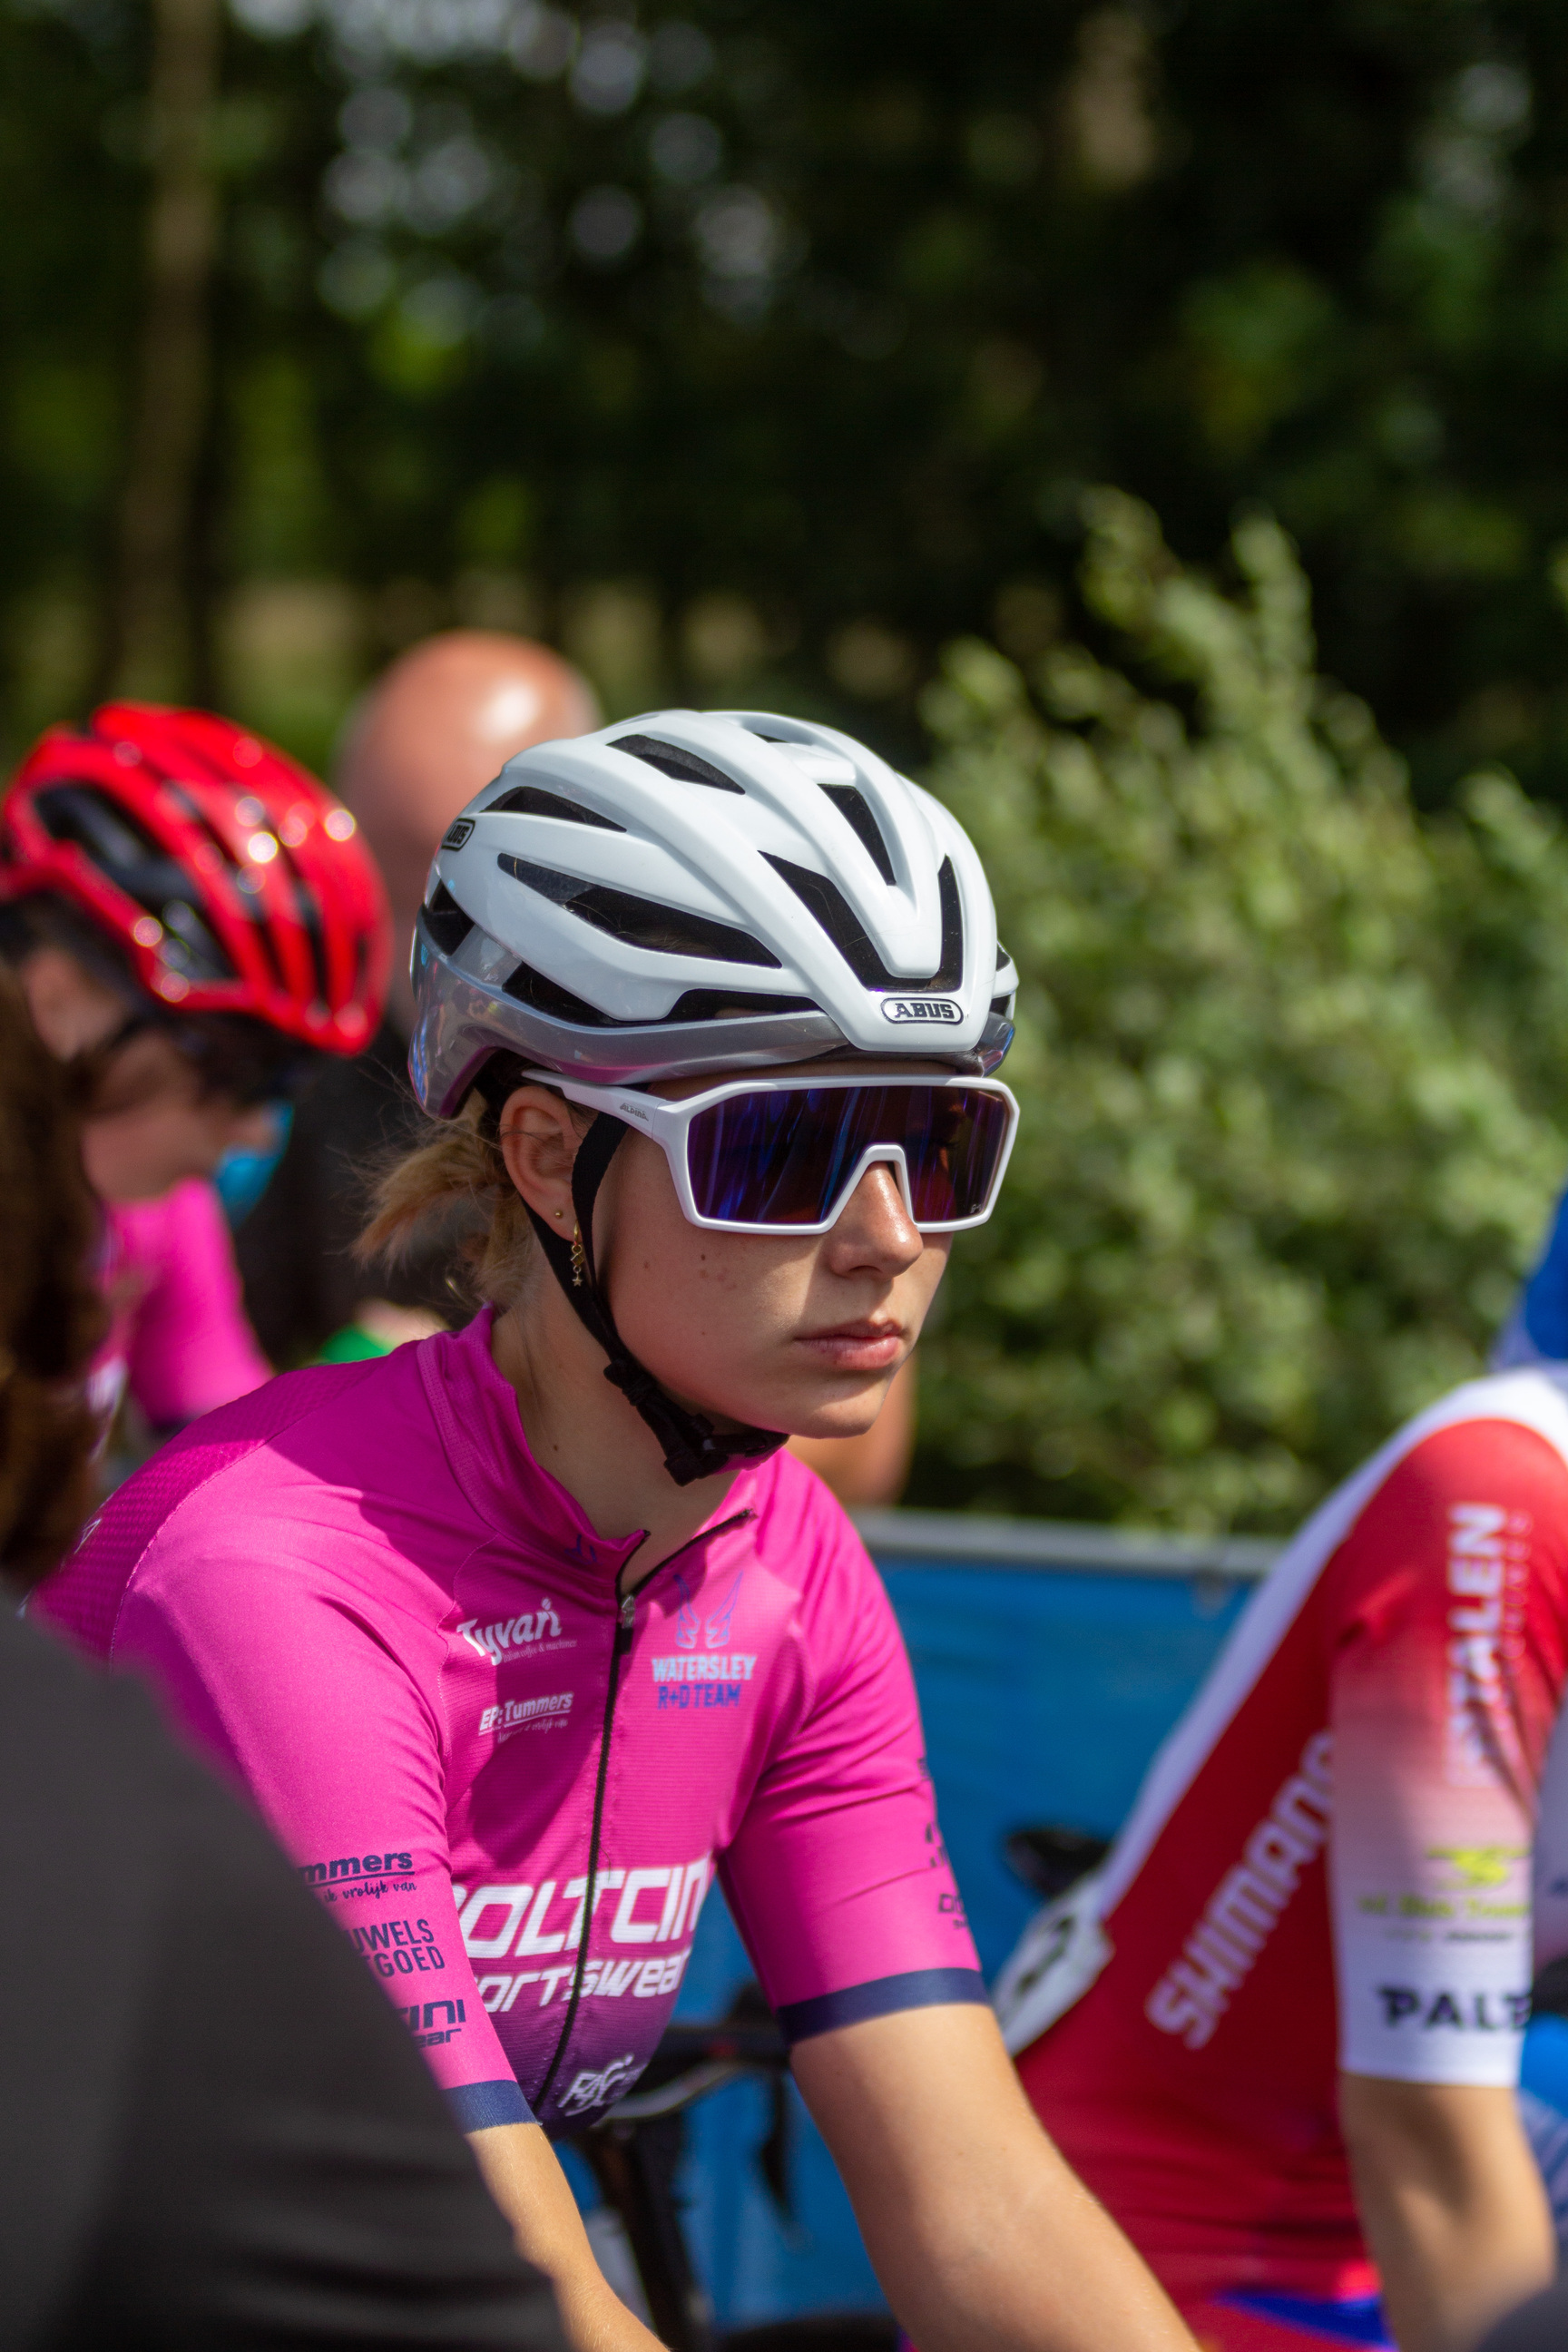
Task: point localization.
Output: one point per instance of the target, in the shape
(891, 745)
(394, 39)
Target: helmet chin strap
(692, 1447)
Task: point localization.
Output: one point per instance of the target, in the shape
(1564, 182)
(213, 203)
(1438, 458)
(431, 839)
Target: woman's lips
(857, 1347)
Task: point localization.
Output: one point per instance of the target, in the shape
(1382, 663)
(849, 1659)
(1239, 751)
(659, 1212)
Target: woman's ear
(539, 1142)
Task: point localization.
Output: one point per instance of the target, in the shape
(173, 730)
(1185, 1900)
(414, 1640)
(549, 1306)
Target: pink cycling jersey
(359, 1593)
(178, 1335)
(1351, 1854)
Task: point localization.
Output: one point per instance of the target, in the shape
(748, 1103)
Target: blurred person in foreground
(443, 720)
(214, 2131)
(192, 912)
(440, 723)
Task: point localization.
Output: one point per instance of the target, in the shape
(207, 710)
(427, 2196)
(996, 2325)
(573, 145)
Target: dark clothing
(1540, 2325)
(295, 1248)
(213, 2130)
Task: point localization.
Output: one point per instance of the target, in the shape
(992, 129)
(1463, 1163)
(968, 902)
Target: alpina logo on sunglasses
(920, 1008)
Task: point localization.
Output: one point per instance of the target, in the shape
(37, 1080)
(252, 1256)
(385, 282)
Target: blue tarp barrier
(1051, 1662)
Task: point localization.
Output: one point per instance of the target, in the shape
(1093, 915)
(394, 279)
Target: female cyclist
(188, 907)
(520, 1634)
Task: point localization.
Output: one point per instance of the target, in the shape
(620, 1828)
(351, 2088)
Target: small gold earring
(558, 1212)
(579, 1258)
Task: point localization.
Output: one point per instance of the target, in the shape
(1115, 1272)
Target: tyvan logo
(920, 1008)
(509, 1634)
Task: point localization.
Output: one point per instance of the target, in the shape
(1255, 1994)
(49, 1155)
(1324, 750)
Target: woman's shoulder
(285, 1414)
(803, 1532)
(311, 1468)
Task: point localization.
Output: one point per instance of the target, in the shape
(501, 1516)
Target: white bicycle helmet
(703, 890)
(695, 891)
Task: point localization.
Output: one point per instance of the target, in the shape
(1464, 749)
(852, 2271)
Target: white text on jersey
(541, 1624)
(1244, 1909)
(1482, 1543)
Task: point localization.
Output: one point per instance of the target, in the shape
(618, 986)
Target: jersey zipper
(626, 1626)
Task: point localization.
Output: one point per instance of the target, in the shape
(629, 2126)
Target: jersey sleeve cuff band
(476, 2107)
(881, 1996)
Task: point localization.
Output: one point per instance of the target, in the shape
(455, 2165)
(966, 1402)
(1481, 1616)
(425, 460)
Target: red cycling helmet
(230, 879)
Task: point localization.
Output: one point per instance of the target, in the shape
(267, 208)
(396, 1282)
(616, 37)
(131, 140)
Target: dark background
(760, 351)
(781, 356)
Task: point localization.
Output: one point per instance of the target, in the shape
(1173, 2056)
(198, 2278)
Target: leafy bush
(1293, 1063)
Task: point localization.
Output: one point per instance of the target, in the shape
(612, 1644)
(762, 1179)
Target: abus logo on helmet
(920, 1008)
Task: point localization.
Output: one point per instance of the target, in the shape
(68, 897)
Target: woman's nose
(874, 1226)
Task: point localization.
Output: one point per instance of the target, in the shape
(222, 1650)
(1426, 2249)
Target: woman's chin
(820, 1408)
(789, 1417)
(834, 1417)
(121, 1174)
(125, 1188)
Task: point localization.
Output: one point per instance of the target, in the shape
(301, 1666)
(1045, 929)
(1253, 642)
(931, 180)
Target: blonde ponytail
(457, 1179)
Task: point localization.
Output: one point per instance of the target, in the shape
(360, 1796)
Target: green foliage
(1292, 1063)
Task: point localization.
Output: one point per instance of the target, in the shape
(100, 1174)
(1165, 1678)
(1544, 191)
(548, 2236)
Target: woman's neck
(586, 1433)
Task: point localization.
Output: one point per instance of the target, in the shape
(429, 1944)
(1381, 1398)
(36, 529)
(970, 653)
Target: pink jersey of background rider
(359, 1593)
(178, 1334)
(1330, 1862)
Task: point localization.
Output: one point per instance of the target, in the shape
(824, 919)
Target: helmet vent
(531, 800)
(838, 918)
(189, 946)
(640, 922)
(445, 920)
(307, 915)
(852, 804)
(557, 1003)
(671, 761)
(735, 1005)
(126, 854)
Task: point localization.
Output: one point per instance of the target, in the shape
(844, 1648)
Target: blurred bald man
(441, 721)
(445, 719)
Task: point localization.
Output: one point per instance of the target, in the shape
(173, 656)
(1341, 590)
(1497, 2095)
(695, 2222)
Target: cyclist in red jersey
(189, 907)
(1279, 2032)
(518, 1635)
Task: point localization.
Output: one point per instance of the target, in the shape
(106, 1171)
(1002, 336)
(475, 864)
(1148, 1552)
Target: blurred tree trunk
(150, 637)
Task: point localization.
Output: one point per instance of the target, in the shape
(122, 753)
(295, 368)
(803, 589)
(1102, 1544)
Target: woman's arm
(979, 2232)
(1451, 2202)
(522, 2174)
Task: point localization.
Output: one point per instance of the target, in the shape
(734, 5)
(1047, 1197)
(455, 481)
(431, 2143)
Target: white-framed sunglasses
(766, 1155)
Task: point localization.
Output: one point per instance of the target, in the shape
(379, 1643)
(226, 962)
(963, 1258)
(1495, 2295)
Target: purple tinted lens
(784, 1157)
(954, 1167)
